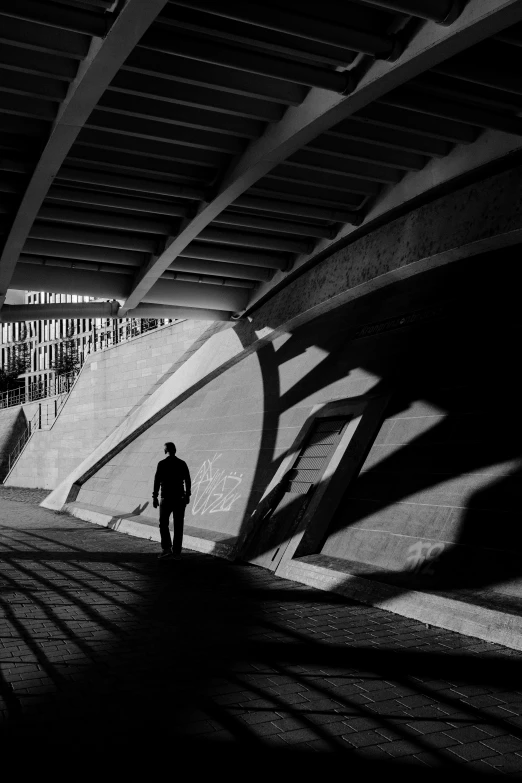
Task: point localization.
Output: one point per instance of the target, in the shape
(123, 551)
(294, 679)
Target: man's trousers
(175, 507)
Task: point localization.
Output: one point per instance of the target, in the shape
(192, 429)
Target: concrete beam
(323, 109)
(46, 312)
(58, 310)
(41, 248)
(30, 277)
(202, 295)
(95, 73)
(105, 179)
(315, 30)
(441, 11)
(96, 219)
(170, 311)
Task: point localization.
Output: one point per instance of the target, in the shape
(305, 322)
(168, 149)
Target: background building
(45, 338)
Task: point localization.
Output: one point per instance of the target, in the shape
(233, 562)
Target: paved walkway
(107, 654)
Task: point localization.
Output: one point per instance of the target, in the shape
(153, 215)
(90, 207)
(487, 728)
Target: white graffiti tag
(214, 488)
(422, 557)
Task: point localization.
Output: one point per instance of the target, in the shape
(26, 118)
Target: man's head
(170, 449)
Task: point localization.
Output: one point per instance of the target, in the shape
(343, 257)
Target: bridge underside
(192, 158)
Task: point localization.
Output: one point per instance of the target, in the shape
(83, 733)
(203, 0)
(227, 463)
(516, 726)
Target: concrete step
(468, 617)
(197, 539)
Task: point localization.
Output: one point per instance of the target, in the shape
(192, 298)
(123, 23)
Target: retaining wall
(112, 382)
(413, 313)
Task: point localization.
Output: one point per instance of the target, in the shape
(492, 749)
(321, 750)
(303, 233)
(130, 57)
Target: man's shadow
(113, 522)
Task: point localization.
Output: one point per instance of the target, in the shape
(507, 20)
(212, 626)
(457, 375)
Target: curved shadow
(460, 365)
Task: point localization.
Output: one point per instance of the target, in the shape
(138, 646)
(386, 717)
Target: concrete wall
(112, 382)
(438, 496)
(437, 502)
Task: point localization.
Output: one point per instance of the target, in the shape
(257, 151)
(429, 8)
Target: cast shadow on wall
(462, 365)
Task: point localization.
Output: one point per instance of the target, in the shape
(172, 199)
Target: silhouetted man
(173, 479)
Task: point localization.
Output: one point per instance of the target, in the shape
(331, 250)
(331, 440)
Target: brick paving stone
(505, 744)
(472, 751)
(362, 739)
(390, 734)
(372, 753)
(299, 735)
(399, 748)
(431, 759)
(496, 730)
(288, 724)
(259, 717)
(390, 707)
(468, 734)
(507, 762)
(504, 712)
(319, 703)
(225, 655)
(485, 700)
(418, 700)
(508, 698)
(323, 746)
(334, 728)
(265, 729)
(428, 726)
(291, 698)
(433, 711)
(362, 723)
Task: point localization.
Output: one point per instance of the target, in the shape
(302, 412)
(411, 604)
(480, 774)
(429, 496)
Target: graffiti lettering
(214, 488)
(422, 556)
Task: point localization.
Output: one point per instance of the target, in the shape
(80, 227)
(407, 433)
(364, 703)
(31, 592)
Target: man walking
(173, 479)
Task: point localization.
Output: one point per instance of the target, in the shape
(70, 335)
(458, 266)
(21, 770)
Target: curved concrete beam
(95, 73)
(439, 174)
(322, 110)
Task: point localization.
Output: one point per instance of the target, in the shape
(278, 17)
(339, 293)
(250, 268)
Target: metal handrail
(38, 391)
(42, 419)
(106, 337)
(32, 425)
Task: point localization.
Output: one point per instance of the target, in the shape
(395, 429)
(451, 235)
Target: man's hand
(187, 498)
(155, 503)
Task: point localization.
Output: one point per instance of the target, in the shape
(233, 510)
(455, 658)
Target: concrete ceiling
(190, 154)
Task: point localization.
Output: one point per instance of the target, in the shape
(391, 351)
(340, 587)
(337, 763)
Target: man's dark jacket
(173, 478)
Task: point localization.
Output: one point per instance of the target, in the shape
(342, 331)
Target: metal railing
(60, 384)
(43, 418)
(108, 336)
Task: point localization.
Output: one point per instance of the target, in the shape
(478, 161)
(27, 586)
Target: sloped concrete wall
(232, 433)
(439, 493)
(112, 382)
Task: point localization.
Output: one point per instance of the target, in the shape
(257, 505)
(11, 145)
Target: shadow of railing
(118, 658)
